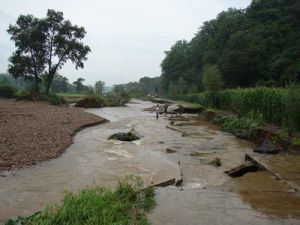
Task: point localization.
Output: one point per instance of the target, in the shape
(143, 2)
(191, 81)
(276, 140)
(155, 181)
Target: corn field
(277, 105)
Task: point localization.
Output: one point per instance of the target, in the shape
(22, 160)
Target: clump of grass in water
(125, 205)
(132, 135)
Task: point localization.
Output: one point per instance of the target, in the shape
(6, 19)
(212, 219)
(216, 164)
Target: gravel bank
(31, 132)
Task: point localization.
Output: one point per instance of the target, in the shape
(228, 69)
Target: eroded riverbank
(208, 196)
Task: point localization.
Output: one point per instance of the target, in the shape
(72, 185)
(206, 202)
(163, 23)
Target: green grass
(125, 205)
(248, 124)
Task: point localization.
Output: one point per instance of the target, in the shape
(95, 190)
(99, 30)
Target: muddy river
(207, 196)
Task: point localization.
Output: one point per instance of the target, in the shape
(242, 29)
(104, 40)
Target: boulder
(241, 134)
(267, 147)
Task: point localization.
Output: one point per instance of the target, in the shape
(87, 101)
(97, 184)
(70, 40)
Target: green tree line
(258, 45)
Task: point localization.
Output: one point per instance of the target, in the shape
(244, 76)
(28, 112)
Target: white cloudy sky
(127, 37)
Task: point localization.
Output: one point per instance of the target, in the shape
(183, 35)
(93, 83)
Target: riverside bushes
(276, 105)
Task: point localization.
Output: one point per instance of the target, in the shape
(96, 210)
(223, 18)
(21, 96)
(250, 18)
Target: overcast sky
(127, 37)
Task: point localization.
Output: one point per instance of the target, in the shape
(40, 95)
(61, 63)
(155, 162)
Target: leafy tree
(212, 82)
(119, 88)
(79, 84)
(99, 86)
(44, 46)
(256, 45)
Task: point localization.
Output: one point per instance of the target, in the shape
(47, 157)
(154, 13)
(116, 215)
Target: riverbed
(207, 196)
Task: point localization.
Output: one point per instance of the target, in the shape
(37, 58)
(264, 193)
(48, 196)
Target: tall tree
(79, 84)
(45, 45)
(59, 84)
(99, 86)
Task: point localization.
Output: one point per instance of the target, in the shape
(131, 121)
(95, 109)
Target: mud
(206, 194)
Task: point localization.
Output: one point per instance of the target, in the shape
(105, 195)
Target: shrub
(7, 90)
(54, 99)
(117, 99)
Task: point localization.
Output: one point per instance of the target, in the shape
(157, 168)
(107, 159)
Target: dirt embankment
(31, 132)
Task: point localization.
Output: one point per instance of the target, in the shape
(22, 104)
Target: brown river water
(207, 196)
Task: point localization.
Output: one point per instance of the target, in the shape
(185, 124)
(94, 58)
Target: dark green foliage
(7, 90)
(257, 45)
(124, 206)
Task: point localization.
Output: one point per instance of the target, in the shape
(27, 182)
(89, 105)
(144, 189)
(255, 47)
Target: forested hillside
(258, 45)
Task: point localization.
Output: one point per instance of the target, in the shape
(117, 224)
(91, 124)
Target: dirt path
(32, 132)
(207, 196)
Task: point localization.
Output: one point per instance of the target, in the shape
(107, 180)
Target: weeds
(126, 205)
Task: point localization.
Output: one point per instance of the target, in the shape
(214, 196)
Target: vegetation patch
(7, 90)
(96, 100)
(127, 204)
(126, 136)
(92, 101)
(247, 126)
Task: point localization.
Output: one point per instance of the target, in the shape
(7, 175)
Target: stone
(242, 169)
(241, 134)
(170, 150)
(267, 147)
